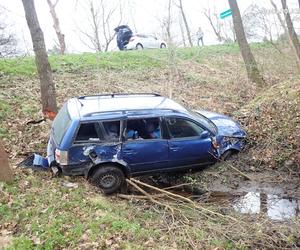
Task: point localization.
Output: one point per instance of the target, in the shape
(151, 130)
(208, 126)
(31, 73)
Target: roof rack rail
(124, 112)
(119, 94)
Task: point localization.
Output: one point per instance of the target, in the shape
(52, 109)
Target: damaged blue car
(108, 138)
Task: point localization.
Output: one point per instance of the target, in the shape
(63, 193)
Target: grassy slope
(31, 211)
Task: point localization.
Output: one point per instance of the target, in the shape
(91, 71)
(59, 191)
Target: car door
(102, 137)
(144, 149)
(146, 42)
(186, 145)
(155, 42)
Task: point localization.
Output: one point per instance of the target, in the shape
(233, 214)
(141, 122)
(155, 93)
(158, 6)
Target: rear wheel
(139, 46)
(108, 178)
(163, 46)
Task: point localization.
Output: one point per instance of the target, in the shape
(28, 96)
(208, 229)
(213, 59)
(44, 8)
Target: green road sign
(226, 14)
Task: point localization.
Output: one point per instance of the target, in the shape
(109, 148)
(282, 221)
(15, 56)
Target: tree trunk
(182, 33)
(249, 60)
(185, 23)
(60, 35)
(299, 3)
(94, 14)
(291, 32)
(279, 17)
(49, 106)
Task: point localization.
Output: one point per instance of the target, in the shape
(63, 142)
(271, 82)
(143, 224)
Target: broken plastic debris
(69, 184)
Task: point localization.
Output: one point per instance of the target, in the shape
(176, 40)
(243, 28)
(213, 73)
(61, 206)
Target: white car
(140, 41)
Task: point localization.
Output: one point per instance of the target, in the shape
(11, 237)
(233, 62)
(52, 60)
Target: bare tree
(56, 26)
(102, 19)
(48, 97)
(291, 32)
(259, 25)
(168, 21)
(8, 41)
(180, 6)
(182, 32)
(223, 29)
(279, 16)
(106, 20)
(215, 23)
(249, 60)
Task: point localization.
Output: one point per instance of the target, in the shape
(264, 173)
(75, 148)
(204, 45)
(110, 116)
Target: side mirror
(204, 135)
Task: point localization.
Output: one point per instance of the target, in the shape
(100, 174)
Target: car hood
(226, 126)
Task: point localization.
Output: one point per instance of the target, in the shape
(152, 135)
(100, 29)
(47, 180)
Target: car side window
(88, 133)
(141, 129)
(180, 128)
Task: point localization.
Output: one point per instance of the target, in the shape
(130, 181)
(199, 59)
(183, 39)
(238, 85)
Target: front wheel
(228, 154)
(108, 178)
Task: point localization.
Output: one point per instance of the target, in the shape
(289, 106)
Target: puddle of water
(274, 206)
(271, 205)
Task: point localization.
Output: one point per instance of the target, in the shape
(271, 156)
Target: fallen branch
(240, 172)
(148, 195)
(181, 198)
(132, 196)
(178, 186)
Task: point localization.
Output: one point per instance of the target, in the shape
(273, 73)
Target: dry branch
(180, 198)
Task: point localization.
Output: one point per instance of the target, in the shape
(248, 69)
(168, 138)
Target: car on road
(110, 137)
(141, 41)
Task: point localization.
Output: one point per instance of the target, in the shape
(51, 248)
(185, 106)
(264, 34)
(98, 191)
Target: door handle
(175, 148)
(129, 151)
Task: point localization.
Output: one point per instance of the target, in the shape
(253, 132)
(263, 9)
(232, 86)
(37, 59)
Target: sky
(141, 15)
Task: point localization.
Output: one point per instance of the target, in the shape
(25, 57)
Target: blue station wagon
(111, 137)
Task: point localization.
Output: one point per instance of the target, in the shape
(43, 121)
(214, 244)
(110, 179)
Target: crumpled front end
(230, 135)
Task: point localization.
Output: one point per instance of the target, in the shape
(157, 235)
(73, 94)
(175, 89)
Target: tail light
(61, 157)
(214, 143)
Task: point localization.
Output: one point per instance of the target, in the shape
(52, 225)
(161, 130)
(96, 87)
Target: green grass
(118, 60)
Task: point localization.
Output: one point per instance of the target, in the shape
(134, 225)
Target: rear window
(61, 123)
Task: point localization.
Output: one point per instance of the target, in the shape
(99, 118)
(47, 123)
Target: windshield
(205, 121)
(61, 123)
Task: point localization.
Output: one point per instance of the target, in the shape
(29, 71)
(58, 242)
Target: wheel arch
(229, 152)
(121, 166)
(139, 44)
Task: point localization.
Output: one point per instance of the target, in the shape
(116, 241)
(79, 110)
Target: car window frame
(187, 119)
(100, 129)
(161, 123)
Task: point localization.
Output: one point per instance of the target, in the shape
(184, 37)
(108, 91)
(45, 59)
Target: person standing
(200, 35)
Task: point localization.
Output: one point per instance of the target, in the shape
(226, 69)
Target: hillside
(212, 78)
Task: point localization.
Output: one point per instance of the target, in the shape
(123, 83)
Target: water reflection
(272, 205)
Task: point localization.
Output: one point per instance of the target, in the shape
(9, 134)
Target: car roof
(116, 105)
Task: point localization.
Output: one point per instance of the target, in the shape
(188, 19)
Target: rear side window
(180, 128)
(98, 132)
(88, 132)
(61, 123)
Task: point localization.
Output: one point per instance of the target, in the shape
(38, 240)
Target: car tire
(108, 178)
(227, 154)
(139, 46)
(163, 46)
